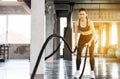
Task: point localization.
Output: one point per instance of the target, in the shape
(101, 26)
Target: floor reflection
(15, 69)
(105, 68)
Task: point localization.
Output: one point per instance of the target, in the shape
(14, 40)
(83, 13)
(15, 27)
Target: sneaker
(77, 74)
(92, 75)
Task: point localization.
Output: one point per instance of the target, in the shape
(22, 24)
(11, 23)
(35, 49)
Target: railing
(4, 52)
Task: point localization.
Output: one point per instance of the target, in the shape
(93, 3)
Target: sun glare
(114, 34)
(104, 37)
(103, 42)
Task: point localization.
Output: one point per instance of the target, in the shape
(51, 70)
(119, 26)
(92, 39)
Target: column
(50, 12)
(37, 35)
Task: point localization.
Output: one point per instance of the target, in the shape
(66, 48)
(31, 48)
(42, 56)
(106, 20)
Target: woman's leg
(91, 53)
(78, 59)
(81, 44)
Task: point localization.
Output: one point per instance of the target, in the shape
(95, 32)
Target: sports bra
(87, 28)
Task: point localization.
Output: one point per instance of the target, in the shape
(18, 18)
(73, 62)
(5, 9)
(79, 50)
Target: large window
(15, 29)
(3, 31)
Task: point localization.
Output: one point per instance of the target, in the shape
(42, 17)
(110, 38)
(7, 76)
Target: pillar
(56, 40)
(68, 37)
(50, 12)
(37, 36)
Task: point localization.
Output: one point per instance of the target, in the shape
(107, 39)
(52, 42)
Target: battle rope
(41, 52)
(87, 50)
(42, 49)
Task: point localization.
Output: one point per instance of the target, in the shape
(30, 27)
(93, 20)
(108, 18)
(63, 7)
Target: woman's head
(82, 13)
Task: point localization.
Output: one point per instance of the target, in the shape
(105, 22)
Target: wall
(19, 51)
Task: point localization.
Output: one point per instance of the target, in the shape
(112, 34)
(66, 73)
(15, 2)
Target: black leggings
(82, 41)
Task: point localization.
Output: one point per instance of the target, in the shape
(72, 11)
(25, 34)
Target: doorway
(63, 24)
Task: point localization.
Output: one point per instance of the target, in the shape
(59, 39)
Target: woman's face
(82, 15)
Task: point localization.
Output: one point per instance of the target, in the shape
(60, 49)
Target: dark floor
(105, 68)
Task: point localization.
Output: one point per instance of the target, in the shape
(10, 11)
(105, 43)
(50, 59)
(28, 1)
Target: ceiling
(68, 2)
(60, 3)
(86, 1)
(28, 2)
(14, 8)
(65, 4)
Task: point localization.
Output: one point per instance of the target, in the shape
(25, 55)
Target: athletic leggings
(82, 41)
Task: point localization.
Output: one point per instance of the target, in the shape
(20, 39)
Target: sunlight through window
(114, 34)
(103, 35)
(104, 38)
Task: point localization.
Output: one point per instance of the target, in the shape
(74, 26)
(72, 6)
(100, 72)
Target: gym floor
(105, 68)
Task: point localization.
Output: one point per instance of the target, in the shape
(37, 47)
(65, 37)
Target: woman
(85, 27)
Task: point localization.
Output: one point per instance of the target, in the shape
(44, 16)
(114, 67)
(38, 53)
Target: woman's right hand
(76, 45)
(75, 48)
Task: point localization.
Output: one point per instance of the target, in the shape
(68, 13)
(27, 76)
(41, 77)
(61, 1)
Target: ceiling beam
(87, 1)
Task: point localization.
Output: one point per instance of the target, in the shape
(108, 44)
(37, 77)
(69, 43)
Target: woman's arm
(93, 33)
(76, 33)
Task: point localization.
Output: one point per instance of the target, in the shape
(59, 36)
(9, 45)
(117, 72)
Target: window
(15, 29)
